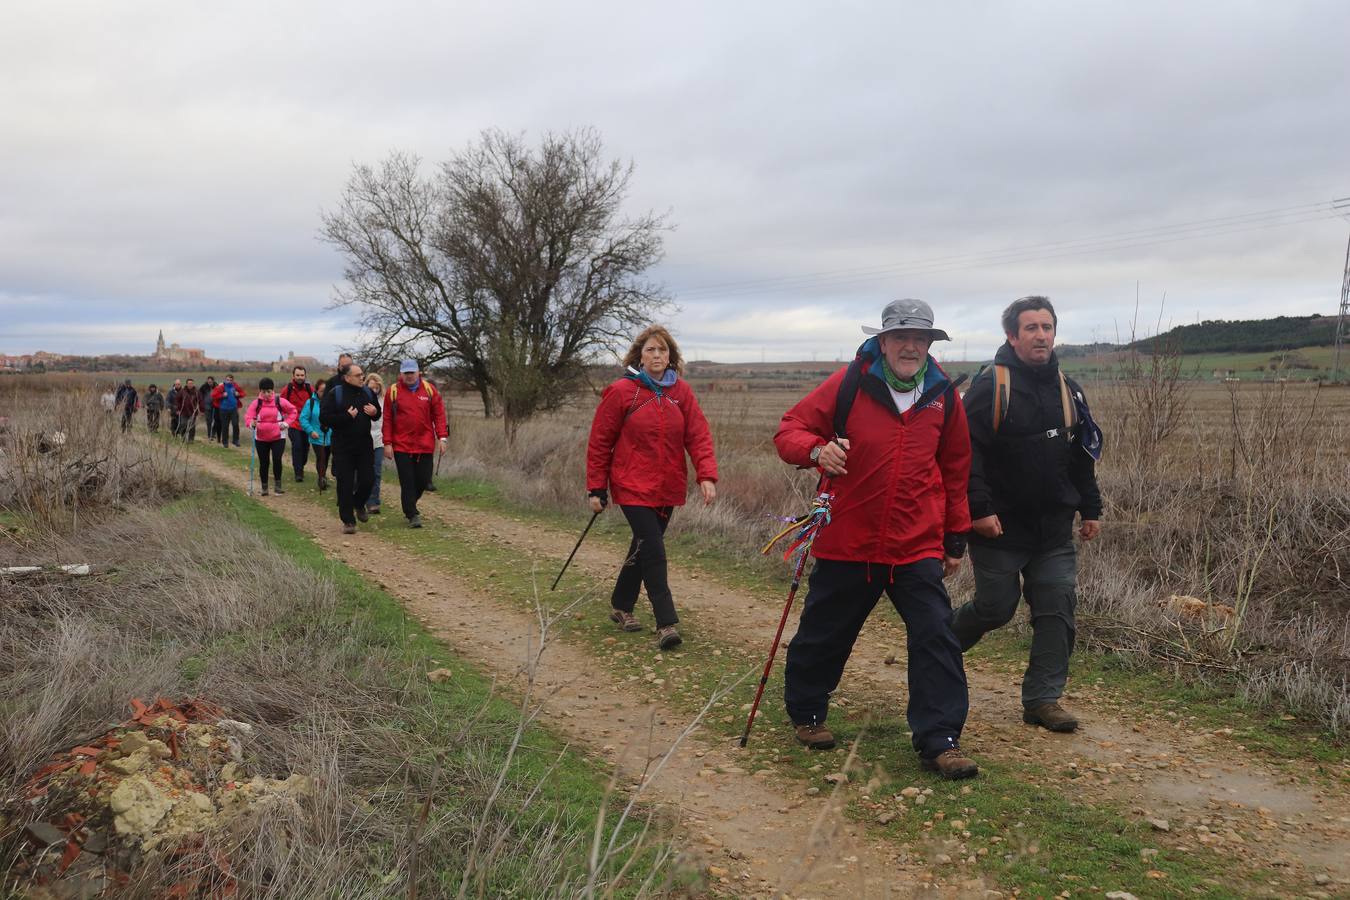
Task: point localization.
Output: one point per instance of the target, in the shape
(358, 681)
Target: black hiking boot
(278, 489)
(362, 515)
(1051, 717)
(264, 490)
(414, 521)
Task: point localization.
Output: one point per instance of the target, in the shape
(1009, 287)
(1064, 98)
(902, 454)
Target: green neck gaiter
(902, 384)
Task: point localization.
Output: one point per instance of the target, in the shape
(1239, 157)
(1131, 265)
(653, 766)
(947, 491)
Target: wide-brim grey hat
(901, 314)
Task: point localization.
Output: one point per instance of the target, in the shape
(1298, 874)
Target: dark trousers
(321, 454)
(645, 565)
(209, 419)
(1048, 578)
(126, 417)
(152, 419)
(173, 421)
(414, 474)
(187, 427)
(839, 598)
(353, 470)
(273, 451)
(225, 419)
(299, 450)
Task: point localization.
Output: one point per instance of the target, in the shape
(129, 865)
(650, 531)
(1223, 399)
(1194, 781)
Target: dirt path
(1210, 792)
(756, 836)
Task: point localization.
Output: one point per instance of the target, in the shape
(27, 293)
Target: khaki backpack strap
(1002, 393)
(1066, 402)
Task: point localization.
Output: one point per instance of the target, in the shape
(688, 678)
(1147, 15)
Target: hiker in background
(128, 401)
(154, 405)
(270, 417)
(376, 385)
(645, 423)
(189, 408)
(108, 401)
(344, 359)
(318, 436)
(414, 429)
(348, 409)
(226, 399)
(1031, 472)
(171, 401)
(889, 434)
(297, 393)
(208, 406)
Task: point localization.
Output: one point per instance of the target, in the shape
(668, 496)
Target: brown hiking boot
(668, 638)
(349, 529)
(625, 620)
(1050, 716)
(815, 737)
(951, 764)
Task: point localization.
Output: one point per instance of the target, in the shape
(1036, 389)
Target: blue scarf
(668, 379)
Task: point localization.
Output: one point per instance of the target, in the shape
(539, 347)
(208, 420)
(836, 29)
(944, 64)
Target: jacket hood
(870, 353)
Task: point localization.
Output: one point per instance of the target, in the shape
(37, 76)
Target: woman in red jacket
(646, 422)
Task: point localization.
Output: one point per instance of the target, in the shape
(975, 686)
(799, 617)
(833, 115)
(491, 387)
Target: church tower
(159, 344)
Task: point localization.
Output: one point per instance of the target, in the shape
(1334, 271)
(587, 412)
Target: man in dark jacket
(208, 408)
(1030, 474)
(348, 408)
(898, 471)
(171, 400)
(127, 400)
(297, 392)
(189, 408)
(154, 406)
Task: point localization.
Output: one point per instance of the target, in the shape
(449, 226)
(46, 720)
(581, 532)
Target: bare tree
(515, 264)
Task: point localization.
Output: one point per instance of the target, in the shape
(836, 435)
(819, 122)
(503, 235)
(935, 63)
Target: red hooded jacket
(904, 497)
(413, 419)
(638, 441)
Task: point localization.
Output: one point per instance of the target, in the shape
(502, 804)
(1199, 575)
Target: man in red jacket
(297, 393)
(414, 429)
(897, 459)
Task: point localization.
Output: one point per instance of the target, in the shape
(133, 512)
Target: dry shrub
(63, 459)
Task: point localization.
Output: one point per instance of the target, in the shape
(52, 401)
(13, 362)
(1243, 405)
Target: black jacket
(349, 432)
(1032, 482)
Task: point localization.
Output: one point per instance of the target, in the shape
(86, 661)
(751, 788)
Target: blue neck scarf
(668, 379)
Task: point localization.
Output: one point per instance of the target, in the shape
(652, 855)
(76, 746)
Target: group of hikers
(344, 419)
(912, 476)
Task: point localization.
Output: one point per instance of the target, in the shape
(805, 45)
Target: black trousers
(224, 419)
(299, 450)
(645, 564)
(840, 597)
(210, 418)
(126, 417)
(273, 451)
(187, 427)
(414, 474)
(173, 420)
(321, 455)
(354, 472)
(152, 419)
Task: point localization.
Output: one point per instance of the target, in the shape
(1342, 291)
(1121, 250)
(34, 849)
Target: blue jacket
(309, 420)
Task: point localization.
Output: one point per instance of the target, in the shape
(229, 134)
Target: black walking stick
(594, 516)
(809, 525)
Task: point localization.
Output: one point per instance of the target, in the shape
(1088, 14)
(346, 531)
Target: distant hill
(1220, 336)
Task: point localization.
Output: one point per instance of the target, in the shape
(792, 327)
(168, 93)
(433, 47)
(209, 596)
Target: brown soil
(1209, 790)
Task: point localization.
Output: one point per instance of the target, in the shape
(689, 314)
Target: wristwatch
(815, 453)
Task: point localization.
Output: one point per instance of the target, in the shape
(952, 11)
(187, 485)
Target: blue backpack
(230, 401)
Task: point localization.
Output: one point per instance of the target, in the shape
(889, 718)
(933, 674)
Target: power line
(1142, 237)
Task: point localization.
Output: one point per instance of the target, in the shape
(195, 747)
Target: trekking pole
(807, 527)
(773, 649)
(252, 454)
(594, 516)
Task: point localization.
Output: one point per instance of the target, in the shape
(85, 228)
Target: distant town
(166, 358)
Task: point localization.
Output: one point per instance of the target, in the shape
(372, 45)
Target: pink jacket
(270, 417)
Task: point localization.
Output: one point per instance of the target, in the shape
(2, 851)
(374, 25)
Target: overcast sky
(165, 164)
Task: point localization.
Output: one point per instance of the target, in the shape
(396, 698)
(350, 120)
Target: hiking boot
(1050, 716)
(951, 764)
(668, 638)
(299, 477)
(362, 515)
(373, 510)
(278, 489)
(264, 490)
(349, 529)
(431, 486)
(414, 521)
(815, 737)
(323, 483)
(625, 620)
